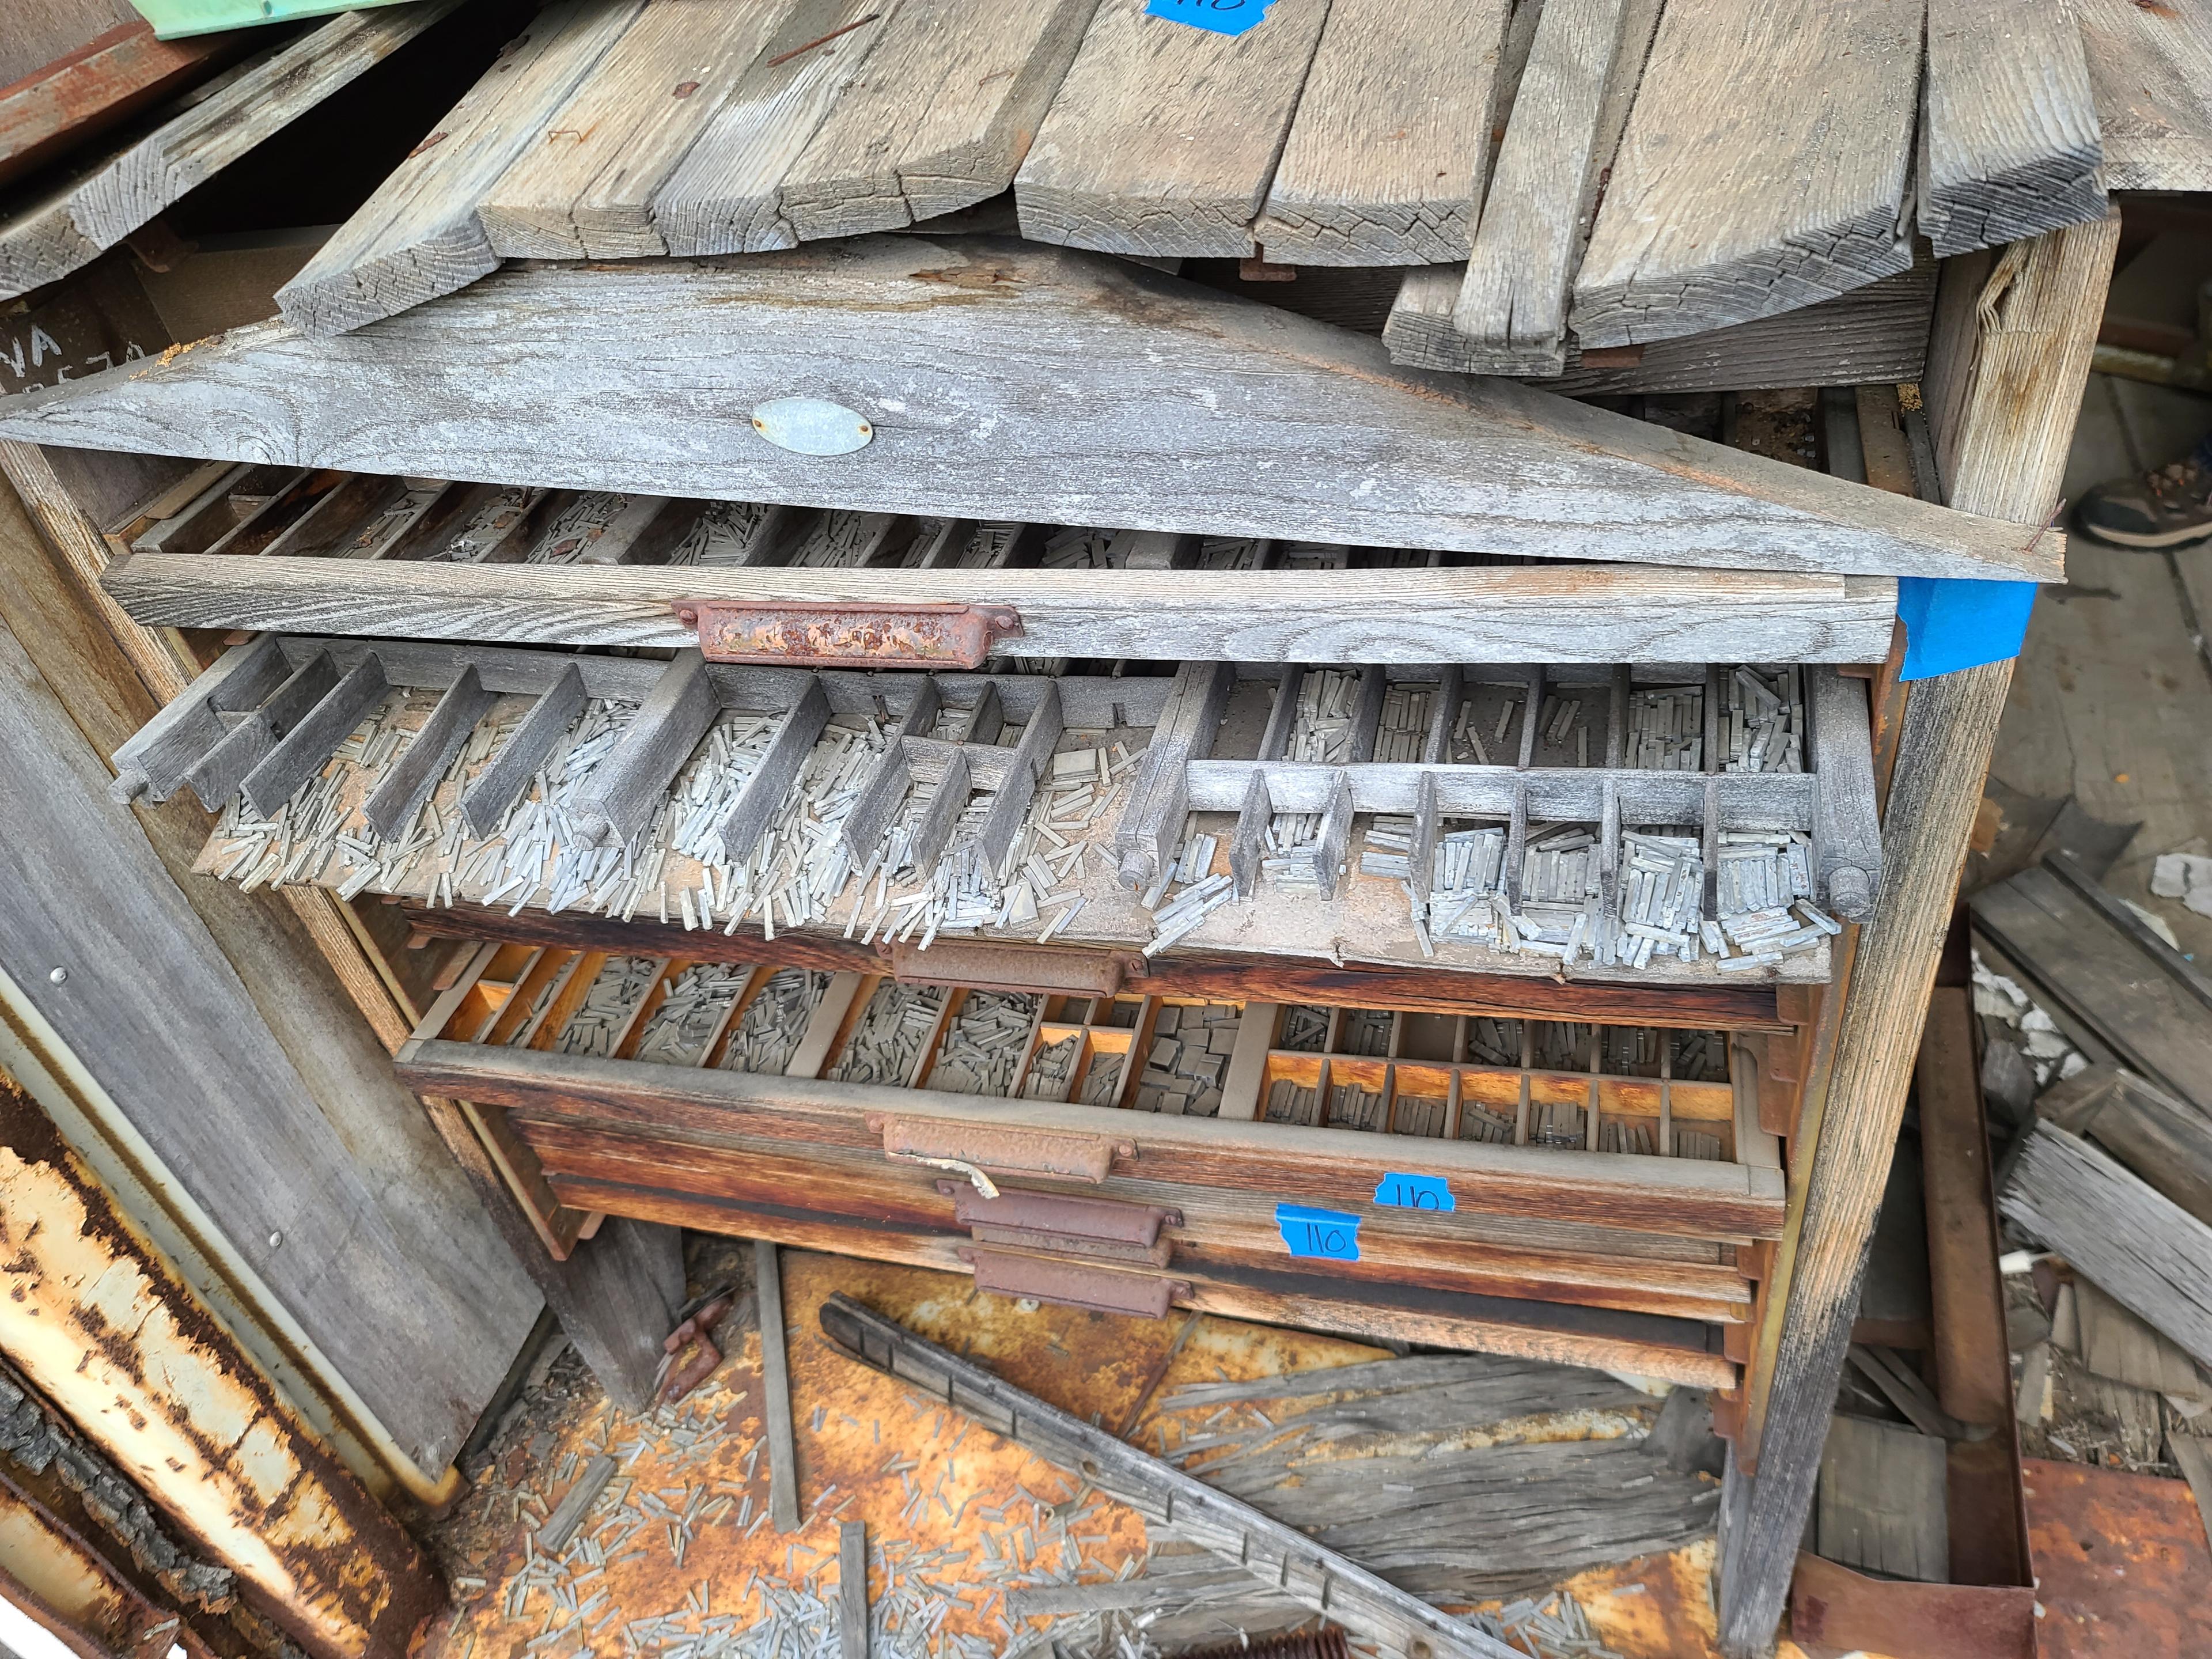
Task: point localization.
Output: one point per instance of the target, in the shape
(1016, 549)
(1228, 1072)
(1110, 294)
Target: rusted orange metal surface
(1833, 1606)
(861, 635)
(61, 1580)
(2123, 1570)
(952, 1511)
(96, 1320)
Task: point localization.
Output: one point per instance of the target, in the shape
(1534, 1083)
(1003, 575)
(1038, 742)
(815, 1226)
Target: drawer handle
(987, 1150)
(995, 967)
(1071, 1284)
(861, 635)
(1100, 1220)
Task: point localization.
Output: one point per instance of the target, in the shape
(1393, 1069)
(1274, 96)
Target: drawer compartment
(1671, 827)
(944, 1124)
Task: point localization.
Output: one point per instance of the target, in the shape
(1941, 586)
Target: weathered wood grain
(418, 235)
(95, 207)
(725, 197)
(2139, 1247)
(1874, 334)
(1163, 137)
(308, 1186)
(1871, 335)
(501, 784)
(938, 116)
(584, 188)
(57, 102)
(619, 799)
(2009, 365)
(957, 351)
(1814, 107)
(1390, 147)
(1512, 305)
(1574, 613)
(2150, 73)
(408, 784)
(2009, 143)
(775, 1387)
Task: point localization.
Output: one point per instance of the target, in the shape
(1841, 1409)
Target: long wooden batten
(1001, 380)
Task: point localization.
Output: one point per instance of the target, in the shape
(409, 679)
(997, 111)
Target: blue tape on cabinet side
(1219, 17)
(1954, 623)
(1329, 1235)
(1399, 1191)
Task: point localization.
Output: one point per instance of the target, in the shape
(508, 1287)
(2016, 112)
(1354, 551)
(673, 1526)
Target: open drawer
(1122, 1150)
(1668, 827)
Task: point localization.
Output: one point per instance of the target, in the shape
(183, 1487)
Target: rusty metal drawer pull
(992, 1150)
(997, 967)
(1102, 1229)
(1071, 1284)
(859, 635)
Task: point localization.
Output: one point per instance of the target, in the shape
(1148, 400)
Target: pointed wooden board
(1000, 380)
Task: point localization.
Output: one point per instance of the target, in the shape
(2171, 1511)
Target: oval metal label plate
(812, 426)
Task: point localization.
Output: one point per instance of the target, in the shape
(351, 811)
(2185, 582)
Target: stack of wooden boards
(1546, 167)
(65, 215)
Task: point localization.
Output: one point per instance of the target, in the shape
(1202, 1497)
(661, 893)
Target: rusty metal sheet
(861, 635)
(96, 1320)
(998, 1148)
(1833, 1606)
(2122, 1566)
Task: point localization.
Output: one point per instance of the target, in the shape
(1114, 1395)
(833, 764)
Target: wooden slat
(725, 196)
(301, 752)
(1512, 306)
(111, 75)
(2002, 393)
(1488, 465)
(769, 786)
(96, 208)
(1814, 106)
(501, 783)
(619, 800)
(418, 235)
(155, 760)
(1388, 154)
(584, 188)
(2011, 133)
(1878, 333)
(776, 1389)
(1586, 613)
(403, 789)
(1164, 136)
(2143, 1249)
(936, 120)
(2150, 72)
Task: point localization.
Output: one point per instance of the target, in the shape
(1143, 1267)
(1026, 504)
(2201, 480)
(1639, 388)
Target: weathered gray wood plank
(155, 760)
(1814, 106)
(1882, 1500)
(408, 783)
(1164, 136)
(94, 208)
(626, 786)
(216, 774)
(1555, 613)
(312, 1169)
(1846, 823)
(937, 118)
(776, 1389)
(1870, 335)
(585, 188)
(2143, 1249)
(2150, 73)
(418, 235)
(726, 195)
(1512, 305)
(501, 783)
(942, 344)
(765, 791)
(1388, 151)
(302, 751)
(2009, 143)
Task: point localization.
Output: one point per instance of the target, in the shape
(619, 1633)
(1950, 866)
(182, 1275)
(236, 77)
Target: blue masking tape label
(1954, 623)
(1330, 1234)
(1400, 1191)
(1220, 16)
